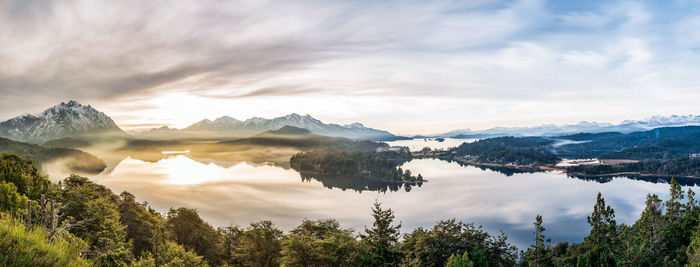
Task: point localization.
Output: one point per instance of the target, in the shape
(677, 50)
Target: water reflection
(238, 192)
(683, 181)
(358, 184)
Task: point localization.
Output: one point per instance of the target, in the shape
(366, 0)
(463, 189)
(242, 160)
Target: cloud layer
(481, 62)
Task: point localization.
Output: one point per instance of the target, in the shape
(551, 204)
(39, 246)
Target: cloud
(491, 51)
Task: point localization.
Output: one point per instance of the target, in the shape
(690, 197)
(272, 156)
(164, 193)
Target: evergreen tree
(603, 236)
(459, 261)
(540, 255)
(381, 240)
(644, 240)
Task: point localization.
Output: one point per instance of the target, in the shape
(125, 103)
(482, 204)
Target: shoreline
(545, 168)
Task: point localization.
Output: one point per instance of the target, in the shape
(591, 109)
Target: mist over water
(238, 192)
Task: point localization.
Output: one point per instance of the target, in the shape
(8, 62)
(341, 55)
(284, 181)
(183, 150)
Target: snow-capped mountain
(230, 127)
(626, 126)
(224, 123)
(63, 120)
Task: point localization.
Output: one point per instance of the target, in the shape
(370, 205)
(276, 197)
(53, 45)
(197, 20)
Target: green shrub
(21, 248)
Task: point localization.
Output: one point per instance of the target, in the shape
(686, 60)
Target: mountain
(626, 126)
(225, 123)
(63, 120)
(227, 127)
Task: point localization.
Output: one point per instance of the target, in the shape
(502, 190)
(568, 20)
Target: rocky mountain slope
(63, 120)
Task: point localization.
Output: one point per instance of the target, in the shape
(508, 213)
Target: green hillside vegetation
(508, 150)
(76, 160)
(680, 167)
(19, 247)
(660, 143)
(92, 225)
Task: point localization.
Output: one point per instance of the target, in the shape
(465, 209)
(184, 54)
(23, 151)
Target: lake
(240, 192)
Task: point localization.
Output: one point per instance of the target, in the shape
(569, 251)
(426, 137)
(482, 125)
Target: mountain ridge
(626, 126)
(229, 127)
(59, 121)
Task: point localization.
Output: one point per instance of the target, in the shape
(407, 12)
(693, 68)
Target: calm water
(240, 192)
(418, 144)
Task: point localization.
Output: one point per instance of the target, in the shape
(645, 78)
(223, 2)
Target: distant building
(399, 149)
(695, 156)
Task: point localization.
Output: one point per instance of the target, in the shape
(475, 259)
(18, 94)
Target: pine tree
(382, 239)
(542, 257)
(459, 261)
(601, 240)
(673, 205)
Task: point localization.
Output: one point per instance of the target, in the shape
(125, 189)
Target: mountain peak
(71, 103)
(59, 121)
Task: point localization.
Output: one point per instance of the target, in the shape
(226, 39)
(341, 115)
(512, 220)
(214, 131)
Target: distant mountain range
(626, 126)
(230, 127)
(63, 120)
(74, 120)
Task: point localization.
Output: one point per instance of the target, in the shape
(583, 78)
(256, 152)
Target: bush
(21, 248)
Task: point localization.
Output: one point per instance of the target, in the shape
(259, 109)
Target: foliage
(76, 160)
(10, 200)
(24, 176)
(653, 144)
(319, 243)
(372, 165)
(381, 242)
(185, 227)
(459, 261)
(142, 226)
(90, 212)
(171, 254)
(508, 150)
(19, 247)
(682, 166)
(260, 245)
(433, 247)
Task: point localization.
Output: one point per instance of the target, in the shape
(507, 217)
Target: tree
(382, 239)
(10, 200)
(540, 254)
(260, 245)
(25, 177)
(601, 240)
(171, 254)
(459, 261)
(644, 241)
(140, 224)
(433, 247)
(186, 228)
(231, 238)
(319, 243)
(90, 212)
(674, 210)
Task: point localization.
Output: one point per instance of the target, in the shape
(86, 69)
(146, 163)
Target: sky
(410, 67)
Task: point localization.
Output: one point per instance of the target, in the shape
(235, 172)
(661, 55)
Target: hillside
(76, 160)
(667, 142)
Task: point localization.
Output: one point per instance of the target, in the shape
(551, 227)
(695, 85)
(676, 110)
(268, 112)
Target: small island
(369, 167)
